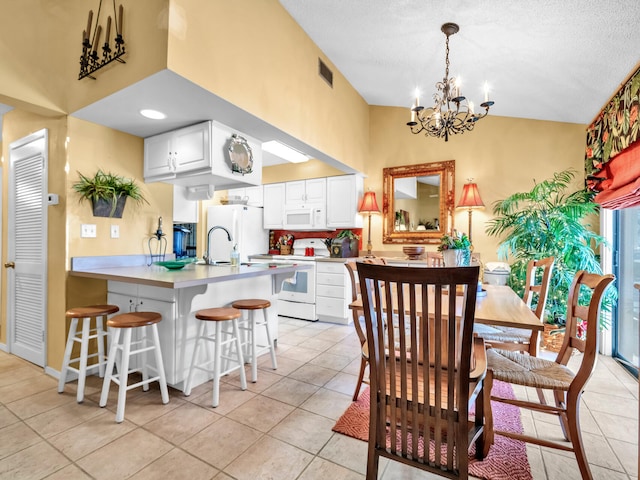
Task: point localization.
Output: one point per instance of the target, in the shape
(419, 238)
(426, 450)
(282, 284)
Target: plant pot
(459, 257)
(552, 338)
(105, 208)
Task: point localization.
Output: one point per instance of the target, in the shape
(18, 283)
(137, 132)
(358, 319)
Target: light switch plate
(115, 231)
(88, 230)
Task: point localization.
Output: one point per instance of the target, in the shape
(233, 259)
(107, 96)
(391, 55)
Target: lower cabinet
(333, 292)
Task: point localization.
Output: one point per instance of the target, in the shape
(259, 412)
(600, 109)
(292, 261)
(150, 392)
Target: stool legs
(122, 377)
(253, 344)
(85, 336)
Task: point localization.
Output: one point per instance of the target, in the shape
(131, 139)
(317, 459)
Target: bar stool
(127, 322)
(219, 316)
(99, 313)
(249, 325)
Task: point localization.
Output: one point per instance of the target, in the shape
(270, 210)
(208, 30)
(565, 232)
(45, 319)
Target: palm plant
(549, 221)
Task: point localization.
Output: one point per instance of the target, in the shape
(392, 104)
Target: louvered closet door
(27, 247)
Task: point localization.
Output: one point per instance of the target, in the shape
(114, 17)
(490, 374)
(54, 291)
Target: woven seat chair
(565, 385)
(516, 339)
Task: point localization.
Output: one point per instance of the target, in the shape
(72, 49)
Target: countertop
(189, 276)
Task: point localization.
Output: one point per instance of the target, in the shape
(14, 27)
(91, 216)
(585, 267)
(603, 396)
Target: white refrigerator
(244, 223)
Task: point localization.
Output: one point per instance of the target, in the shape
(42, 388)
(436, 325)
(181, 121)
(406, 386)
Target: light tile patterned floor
(280, 428)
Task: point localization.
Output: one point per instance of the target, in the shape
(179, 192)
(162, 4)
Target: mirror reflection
(418, 202)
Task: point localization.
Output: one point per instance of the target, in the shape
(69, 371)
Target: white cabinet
(273, 215)
(184, 210)
(254, 195)
(182, 151)
(304, 192)
(344, 192)
(198, 157)
(333, 292)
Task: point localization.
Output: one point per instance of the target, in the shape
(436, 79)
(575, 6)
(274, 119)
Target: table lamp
(470, 199)
(369, 205)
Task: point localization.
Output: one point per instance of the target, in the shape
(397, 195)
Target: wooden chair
(424, 374)
(515, 339)
(358, 320)
(567, 386)
(434, 259)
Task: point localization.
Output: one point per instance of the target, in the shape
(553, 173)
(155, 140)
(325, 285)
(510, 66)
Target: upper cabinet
(253, 195)
(343, 194)
(303, 192)
(207, 153)
(273, 215)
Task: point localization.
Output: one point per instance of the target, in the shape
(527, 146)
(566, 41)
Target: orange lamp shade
(369, 203)
(470, 197)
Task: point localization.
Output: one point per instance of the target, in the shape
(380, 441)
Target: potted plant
(346, 244)
(108, 193)
(549, 221)
(456, 249)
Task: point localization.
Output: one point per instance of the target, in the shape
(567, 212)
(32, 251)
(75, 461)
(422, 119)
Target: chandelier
(451, 112)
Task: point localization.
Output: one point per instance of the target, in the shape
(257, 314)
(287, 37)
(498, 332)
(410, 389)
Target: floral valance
(616, 127)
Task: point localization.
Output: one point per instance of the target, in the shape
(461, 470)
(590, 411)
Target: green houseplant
(108, 193)
(456, 249)
(548, 221)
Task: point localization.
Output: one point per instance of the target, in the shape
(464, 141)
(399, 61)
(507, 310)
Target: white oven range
(297, 297)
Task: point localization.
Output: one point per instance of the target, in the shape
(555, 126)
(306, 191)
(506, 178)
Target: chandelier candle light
(369, 205)
(451, 113)
(470, 199)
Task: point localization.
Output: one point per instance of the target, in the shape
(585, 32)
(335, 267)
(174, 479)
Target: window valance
(614, 131)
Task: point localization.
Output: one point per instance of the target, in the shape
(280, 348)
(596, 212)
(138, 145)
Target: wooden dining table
(500, 307)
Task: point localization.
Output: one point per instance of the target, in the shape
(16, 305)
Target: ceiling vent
(325, 72)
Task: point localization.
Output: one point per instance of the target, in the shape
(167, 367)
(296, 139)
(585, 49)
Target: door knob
(10, 265)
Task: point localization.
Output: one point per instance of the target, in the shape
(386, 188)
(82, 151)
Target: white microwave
(308, 217)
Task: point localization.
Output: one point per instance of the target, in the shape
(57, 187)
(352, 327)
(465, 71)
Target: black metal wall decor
(90, 61)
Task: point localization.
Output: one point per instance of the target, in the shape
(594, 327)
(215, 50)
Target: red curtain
(621, 185)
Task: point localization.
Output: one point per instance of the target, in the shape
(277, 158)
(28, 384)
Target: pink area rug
(507, 459)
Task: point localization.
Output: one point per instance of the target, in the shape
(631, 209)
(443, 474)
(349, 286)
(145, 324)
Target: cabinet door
(295, 192)
(316, 190)
(343, 194)
(191, 148)
(184, 210)
(158, 158)
(274, 195)
(254, 196)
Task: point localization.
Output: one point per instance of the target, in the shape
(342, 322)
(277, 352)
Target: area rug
(507, 459)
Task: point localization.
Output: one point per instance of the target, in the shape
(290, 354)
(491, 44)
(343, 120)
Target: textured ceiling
(543, 59)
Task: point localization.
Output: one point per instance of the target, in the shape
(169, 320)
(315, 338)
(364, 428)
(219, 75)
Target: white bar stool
(125, 323)
(98, 313)
(219, 316)
(251, 305)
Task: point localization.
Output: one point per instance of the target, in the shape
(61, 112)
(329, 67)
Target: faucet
(207, 257)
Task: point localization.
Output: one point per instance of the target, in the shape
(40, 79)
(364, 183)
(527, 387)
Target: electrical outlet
(115, 231)
(88, 230)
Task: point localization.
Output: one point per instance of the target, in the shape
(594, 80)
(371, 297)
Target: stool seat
(217, 317)
(251, 304)
(123, 347)
(85, 315)
(218, 314)
(91, 311)
(134, 319)
(249, 325)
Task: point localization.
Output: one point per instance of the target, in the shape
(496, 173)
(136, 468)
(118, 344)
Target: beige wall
(252, 53)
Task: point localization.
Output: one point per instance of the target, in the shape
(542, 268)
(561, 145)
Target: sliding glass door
(627, 245)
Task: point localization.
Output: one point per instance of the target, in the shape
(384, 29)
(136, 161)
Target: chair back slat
(531, 287)
(419, 328)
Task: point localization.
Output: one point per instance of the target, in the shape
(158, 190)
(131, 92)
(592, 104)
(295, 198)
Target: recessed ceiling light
(152, 114)
(284, 151)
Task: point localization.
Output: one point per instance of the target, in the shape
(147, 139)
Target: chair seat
(522, 369)
(91, 311)
(502, 334)
(134, 319)
(220, 314)
(251, 304)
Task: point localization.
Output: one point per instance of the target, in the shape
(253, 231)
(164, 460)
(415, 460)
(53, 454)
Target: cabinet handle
(10, 265)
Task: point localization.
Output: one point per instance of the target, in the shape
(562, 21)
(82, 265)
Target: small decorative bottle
(235, 256)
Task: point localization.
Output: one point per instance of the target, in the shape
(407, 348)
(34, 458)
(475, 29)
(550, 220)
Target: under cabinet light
(281, 150)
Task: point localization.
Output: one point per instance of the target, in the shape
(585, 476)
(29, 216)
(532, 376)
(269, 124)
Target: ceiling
(542, 59)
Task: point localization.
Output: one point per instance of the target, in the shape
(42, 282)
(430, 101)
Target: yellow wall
(288, 172)
(253, 54)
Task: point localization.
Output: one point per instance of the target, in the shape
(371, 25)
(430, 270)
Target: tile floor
(280, 428)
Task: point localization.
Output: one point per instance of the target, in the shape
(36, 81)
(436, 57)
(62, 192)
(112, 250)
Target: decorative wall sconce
(90, 61)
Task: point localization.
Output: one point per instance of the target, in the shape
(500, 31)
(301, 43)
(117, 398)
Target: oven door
(301, 287)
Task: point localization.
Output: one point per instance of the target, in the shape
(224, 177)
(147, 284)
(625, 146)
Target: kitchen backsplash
(322, 234)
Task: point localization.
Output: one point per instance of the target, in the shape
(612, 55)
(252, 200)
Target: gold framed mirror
(418, 202)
